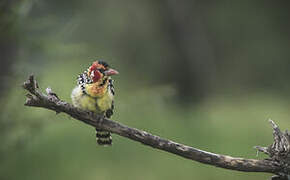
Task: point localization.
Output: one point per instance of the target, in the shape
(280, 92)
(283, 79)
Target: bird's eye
(101, 70)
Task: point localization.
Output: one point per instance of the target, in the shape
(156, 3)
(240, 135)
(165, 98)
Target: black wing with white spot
(83, 79)
(110, 111)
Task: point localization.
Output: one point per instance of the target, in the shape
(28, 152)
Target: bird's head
(100, 70)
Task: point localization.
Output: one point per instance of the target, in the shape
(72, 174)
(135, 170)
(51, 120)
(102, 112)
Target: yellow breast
(105, 102)
(98, 104)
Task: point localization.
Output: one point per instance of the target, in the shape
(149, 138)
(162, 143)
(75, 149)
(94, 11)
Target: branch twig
(278, 163)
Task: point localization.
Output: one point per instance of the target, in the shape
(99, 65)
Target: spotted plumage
(95, 92)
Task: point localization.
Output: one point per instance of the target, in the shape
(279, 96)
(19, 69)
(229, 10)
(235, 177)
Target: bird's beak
(111, 72)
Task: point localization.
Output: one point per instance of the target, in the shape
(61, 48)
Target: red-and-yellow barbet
(95, 92)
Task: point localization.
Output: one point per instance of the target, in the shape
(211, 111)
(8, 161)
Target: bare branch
(278, 163)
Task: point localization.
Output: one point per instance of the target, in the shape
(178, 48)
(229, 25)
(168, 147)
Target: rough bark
(277, 163)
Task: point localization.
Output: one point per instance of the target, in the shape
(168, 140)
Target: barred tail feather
(103, 137)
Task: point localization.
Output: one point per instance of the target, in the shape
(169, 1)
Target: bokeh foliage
(206, 74)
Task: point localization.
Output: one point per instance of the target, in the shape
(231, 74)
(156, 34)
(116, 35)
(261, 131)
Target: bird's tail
(104, 138)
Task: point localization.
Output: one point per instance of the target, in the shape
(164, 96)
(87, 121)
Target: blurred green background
(203, 73)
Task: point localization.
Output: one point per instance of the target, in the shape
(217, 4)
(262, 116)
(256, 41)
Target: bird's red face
(99, 70)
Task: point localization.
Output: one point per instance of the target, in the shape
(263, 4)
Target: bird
(95, 92)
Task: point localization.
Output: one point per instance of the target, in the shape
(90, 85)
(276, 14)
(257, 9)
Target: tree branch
(278, 163)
